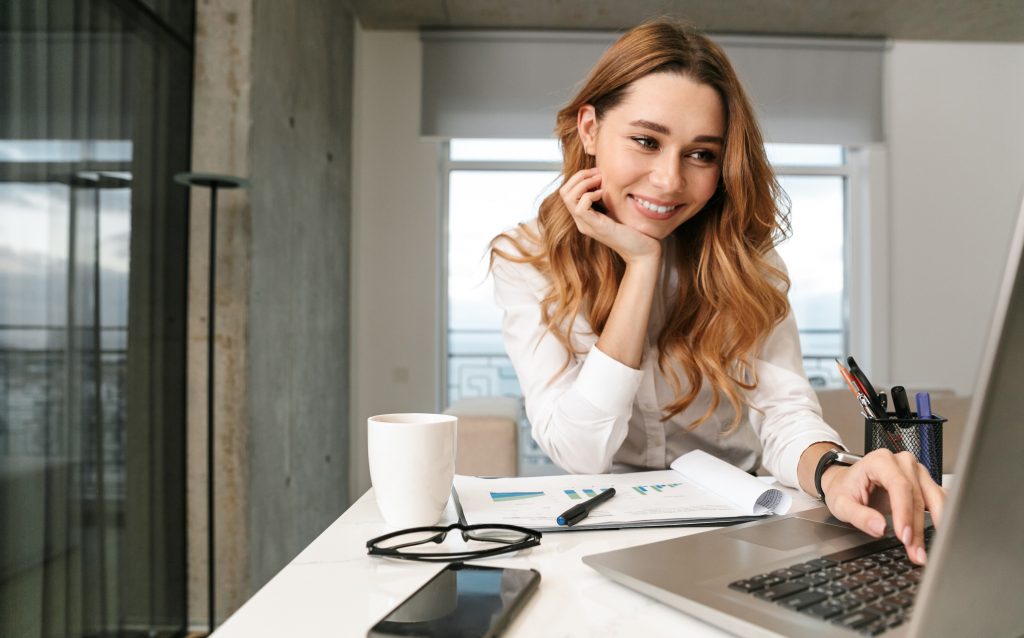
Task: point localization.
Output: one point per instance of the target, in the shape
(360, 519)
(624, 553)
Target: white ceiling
(980, 20)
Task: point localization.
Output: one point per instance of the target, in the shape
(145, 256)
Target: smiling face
(658, 151)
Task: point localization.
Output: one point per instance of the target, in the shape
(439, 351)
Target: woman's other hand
(580, 193)
(885, 483)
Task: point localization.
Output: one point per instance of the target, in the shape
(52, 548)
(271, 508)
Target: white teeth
(654, 207)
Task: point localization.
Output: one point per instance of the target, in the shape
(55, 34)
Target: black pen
(869, 391)
(900, 403)
(577, 513)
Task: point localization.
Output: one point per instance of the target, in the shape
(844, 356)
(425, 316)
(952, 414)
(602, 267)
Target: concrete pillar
(272, 103)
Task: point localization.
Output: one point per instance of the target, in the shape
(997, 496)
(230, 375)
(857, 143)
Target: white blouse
(599, 412)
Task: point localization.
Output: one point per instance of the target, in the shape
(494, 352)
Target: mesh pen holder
(920, 437)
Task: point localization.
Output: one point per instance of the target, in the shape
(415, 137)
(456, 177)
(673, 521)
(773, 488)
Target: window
(492, 185)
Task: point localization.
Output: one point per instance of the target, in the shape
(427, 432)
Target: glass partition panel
(94, 120)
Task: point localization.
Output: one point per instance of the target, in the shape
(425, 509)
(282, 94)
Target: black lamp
(213, 182)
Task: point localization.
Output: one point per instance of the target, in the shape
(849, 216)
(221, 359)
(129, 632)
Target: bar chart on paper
(499, 497)
(580, 494)
(647, 489)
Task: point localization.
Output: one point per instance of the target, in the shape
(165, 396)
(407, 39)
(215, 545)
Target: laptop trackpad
(789, 533)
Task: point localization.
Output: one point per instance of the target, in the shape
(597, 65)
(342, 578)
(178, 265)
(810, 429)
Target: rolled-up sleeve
(578, 404)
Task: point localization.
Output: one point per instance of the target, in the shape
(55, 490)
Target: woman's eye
(646, 142)
(703, 156)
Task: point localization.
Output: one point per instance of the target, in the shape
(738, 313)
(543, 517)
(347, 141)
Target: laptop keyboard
(868, 589)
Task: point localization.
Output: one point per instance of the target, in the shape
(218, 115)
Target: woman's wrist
(829, 476)
(648, 258)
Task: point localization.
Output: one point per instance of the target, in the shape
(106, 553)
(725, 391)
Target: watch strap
(835, 456)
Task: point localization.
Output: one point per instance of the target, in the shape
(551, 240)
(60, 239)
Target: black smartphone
(462, 600)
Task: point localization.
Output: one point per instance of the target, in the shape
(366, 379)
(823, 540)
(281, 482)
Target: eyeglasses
(481, 541)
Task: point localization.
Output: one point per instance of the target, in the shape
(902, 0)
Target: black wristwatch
(833, 456)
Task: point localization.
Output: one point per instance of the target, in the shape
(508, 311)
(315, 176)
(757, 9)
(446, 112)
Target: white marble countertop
(333, 588)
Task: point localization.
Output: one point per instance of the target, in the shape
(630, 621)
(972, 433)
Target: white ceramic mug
(412, 465)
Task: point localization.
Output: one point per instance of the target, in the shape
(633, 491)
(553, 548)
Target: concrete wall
(954, 171)
(273, 103)
(299, 302)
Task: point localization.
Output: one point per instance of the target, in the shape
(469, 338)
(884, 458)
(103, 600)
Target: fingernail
(878, 527)
(905, 536)
(922, 556)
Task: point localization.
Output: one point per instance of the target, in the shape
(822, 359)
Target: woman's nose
(667, 174)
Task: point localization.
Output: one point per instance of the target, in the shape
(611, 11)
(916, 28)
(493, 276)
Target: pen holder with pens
(920, 437)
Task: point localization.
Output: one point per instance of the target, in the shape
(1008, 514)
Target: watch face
(846, 458)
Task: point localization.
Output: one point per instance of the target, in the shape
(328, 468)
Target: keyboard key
(832, 589)
(803, 599)
(881, 589)
(815, 580)
(865, 563)
(825, 610)
(864, 578)
(847, 601)
(902, 599)
(874, 628)
(808, 567)
(849, 584)
(782, 590)
(746, 586)
(883, 608)
(865, 550)
(864, 595)
(822, 563)
(857, 619)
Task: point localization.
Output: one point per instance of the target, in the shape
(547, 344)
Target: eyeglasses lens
(496, 535)
(411, 539)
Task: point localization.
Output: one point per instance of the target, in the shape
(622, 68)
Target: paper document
(699, 490)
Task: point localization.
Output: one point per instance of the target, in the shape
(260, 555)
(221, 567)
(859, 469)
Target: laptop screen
(975, 581)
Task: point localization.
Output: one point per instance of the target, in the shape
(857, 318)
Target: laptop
(799, 575)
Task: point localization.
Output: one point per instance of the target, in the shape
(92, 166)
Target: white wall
(396, 298)
(955, 118)
(955, 132)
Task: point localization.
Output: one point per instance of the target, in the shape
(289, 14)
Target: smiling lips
(653, 210)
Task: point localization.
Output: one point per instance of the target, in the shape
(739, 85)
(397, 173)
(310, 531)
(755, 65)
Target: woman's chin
(657, 229)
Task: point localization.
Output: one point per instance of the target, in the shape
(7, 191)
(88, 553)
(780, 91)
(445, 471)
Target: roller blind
(512, 83)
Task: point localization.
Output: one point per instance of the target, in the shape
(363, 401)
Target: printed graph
(578, 495)
(499, 497)
(648, 489)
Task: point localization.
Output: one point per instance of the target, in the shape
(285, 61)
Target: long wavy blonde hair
(730, 295)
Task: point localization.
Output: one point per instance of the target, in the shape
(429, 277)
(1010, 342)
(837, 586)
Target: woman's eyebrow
(654, 126)
(664, 130)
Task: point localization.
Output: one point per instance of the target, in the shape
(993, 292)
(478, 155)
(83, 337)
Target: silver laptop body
(974, 582)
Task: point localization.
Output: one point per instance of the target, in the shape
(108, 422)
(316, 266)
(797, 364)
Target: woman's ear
(586, 126)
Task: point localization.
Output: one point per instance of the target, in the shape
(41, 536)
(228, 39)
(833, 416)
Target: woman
(645, 308)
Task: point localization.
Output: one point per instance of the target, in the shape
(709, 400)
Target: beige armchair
(488, 436)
